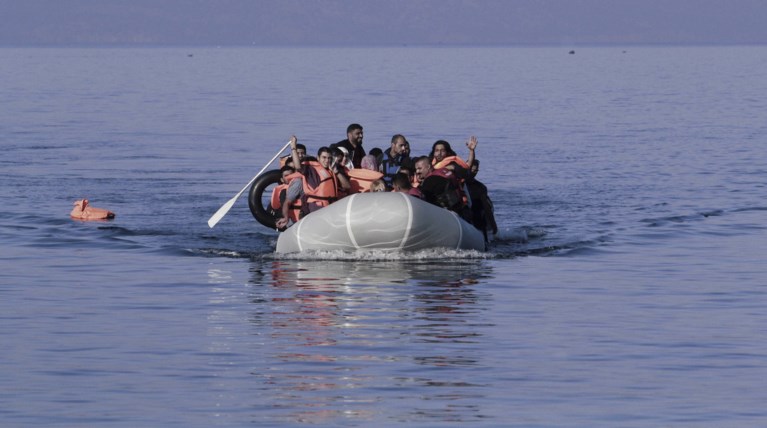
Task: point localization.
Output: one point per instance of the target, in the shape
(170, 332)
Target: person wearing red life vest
(443, 156)
(442, 187)
(280, 192)
(316, 183)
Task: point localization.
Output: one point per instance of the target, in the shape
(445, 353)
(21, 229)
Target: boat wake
(382, 255)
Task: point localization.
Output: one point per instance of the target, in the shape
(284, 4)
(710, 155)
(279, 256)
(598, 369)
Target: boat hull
(380, 221)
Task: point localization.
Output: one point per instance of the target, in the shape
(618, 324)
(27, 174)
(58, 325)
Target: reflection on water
(364, 340)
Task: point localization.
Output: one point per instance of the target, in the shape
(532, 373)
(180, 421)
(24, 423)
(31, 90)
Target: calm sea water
(628, 285)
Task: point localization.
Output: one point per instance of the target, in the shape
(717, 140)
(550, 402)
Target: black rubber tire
(255, 198)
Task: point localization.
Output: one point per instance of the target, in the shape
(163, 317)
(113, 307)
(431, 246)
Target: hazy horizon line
(381, 45)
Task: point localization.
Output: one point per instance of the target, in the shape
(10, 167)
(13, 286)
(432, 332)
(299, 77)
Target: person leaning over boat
(394, 156)
(442, 187)
(353, 144)
(315, 183)
(483, 216)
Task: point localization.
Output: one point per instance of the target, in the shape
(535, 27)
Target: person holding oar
(316, 183)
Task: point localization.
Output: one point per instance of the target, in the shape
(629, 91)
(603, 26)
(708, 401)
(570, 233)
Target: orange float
(83, 211)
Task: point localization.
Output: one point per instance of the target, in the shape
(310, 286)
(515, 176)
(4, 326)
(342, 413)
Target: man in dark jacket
(394, 157)
(353, 144)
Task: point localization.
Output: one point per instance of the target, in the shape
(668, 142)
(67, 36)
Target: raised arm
(472, 145)
(294, 153)
(343, 180)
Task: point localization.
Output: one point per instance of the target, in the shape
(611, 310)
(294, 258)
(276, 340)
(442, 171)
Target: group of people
(441, 178)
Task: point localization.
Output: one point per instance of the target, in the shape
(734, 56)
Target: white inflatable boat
(380, 221)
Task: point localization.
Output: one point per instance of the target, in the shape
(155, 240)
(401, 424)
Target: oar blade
(215, 218)
(227, 206)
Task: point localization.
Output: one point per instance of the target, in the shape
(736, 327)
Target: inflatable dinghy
(380, 221)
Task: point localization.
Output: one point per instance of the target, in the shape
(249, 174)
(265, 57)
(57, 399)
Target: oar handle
(265, 166)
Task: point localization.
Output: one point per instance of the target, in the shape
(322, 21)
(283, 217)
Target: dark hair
(323, 149)
(378, 153)
(301, 146)
(448, 149)
(353, 127)
(335, 151)
(396, 137)
(408, 164)
(426, 159)
(476, 162)
(402, 180)
(287, 168)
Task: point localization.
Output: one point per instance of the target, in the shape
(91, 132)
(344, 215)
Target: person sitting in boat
(315, 183)
(353, 144)
(369, 162)
(408, 168)
(288, 160)
(398, 153)
(341, 157)
(378, 186)
(280, 192)
(378, 153)
(401, 183)
(442, 187)
(483, 216)
(443, 156)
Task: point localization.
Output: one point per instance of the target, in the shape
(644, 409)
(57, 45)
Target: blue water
(627, 287)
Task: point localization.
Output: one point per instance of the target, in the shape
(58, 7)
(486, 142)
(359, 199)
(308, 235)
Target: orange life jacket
(320, 187)
(460, 162)
(361, 179)
(295, 207)
(83, 211)
(447, 161)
